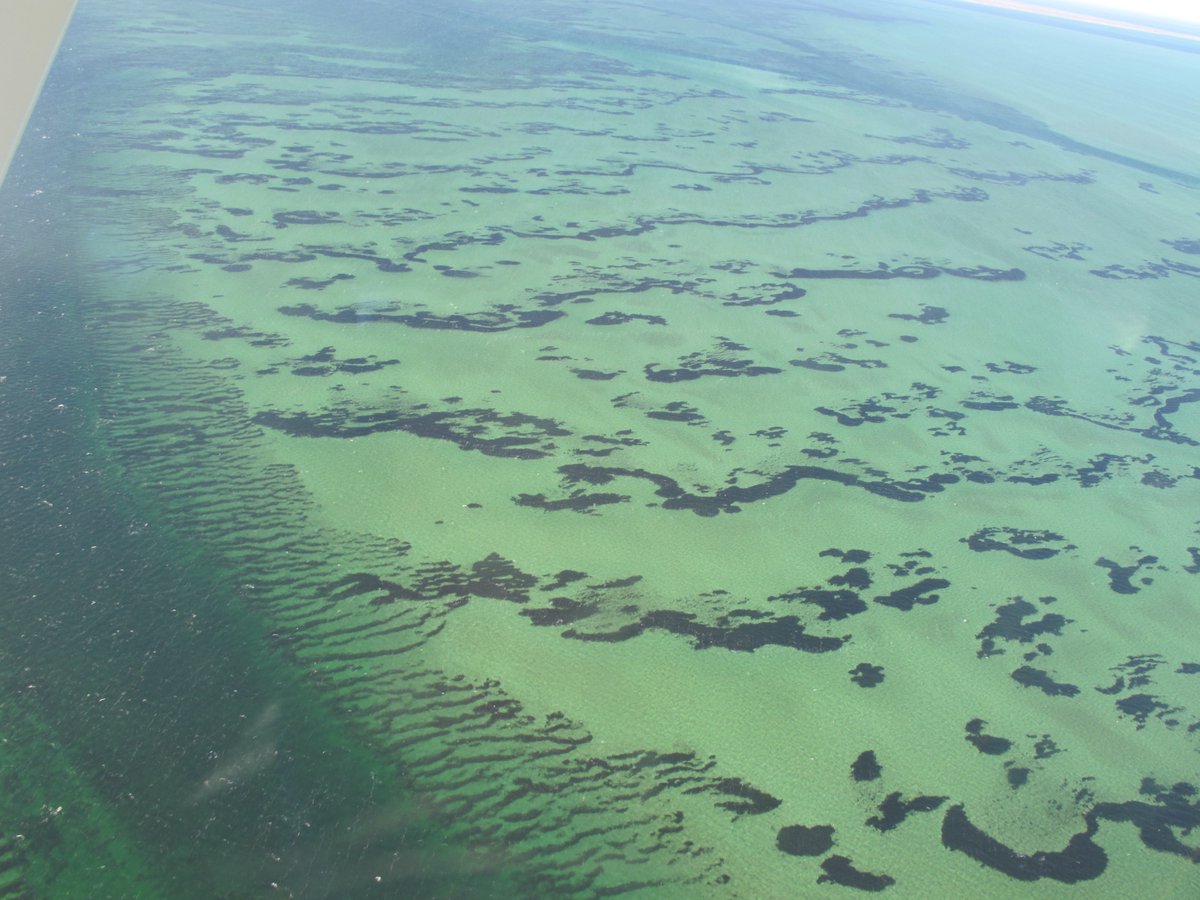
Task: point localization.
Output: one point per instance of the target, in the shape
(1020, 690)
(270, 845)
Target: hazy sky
(1174, 17)
(1188, 10)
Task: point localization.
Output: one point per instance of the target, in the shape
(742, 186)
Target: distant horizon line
(1060, 12)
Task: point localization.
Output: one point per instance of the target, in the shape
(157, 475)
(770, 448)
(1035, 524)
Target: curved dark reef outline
(522, 436)
(1020, 542)
(496, 235)
(485, 706)
(1010, 625)
(500, 317)
(916, 269)
(727, 499)
(1083, 859)
(526, 436)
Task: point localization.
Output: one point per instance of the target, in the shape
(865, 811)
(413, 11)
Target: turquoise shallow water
(583, 450)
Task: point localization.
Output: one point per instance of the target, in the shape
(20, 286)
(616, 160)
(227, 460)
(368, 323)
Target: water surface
(593, 449)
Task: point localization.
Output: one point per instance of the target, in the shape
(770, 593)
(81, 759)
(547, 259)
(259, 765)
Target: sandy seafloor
(554, 449)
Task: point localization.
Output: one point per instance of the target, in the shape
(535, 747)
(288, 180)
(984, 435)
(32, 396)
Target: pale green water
(587, 449)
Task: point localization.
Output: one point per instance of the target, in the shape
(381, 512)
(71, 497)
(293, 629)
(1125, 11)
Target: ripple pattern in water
(595, 449)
